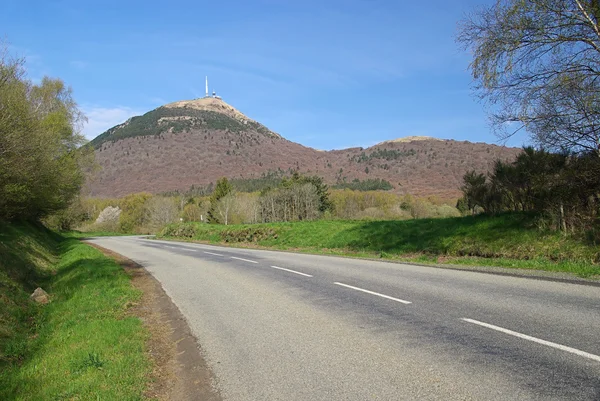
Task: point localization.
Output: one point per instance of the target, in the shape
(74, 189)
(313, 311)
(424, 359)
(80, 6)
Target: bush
(179, 230)
(248, 234)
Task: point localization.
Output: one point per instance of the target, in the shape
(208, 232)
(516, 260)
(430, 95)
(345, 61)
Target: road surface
(284, 326)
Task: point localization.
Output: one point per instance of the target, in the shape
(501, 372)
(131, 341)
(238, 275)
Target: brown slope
(180, 145)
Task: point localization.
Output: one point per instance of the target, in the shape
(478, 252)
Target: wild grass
(83, 344)
(507, 240)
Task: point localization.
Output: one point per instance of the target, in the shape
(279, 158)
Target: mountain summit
(195, 142)
(185, 115)
(211, 104)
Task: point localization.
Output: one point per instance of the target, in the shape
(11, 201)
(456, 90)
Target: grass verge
(508, 240)
(84, 344)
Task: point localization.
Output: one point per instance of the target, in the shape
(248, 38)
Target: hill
(195, 142)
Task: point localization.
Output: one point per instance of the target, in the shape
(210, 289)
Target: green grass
(508, 240)
(82, 345)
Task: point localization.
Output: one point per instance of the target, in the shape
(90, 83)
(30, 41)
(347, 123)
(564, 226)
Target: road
(285, 326)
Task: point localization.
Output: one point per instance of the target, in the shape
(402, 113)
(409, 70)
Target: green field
(84, 344)
(508, 240)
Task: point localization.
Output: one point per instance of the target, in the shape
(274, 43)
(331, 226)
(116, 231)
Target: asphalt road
(284, 326)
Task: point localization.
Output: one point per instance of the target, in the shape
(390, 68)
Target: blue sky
(328, 74)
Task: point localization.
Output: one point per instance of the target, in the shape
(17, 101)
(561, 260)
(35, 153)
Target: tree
(537, 64)
(40, 155)
(225, 207)
(461, 205)
(161, 211)
(192, 212)
(474, 190)
(222, 189)
(134, 215)
(320, 187)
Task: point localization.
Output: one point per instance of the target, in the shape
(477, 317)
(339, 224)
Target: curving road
(284, 326)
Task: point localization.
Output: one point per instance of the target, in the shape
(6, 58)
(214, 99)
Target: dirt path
(179, 370)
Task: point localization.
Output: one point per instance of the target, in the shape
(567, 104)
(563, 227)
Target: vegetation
(537, 63)
(221, 202)
(510, 240)
(169, 119)
(40, 163)
(382, 154)
(267, 180)
(371, 184)
(292, 199)
(83, 344)
(297, 198)
(564, 189)
(270, 179)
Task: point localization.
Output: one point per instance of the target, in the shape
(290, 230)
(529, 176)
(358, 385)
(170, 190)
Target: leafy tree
(537, 63)
(461, 205)
(40, 159)
(134, 214)
(222, 189)
(474, 190)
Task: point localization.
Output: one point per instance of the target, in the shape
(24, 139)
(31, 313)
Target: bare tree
(192, 212)
(225, 207)
(246, 208)
(537, 64)
(162, 211)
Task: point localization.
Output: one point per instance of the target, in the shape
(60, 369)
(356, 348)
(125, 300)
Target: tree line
(293, 199)
(299, 199)
(564, 188)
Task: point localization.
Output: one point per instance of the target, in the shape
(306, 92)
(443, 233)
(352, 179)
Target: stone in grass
(40, 296)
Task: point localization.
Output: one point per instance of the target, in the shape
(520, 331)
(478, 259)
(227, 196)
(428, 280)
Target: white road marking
(245, 260)
(291, 271)
(374, 293)
(535, 340)
(210, 253)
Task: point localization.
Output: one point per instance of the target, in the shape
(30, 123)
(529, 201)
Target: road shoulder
(179, 370)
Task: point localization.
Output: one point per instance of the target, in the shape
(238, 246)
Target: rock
(40, 296)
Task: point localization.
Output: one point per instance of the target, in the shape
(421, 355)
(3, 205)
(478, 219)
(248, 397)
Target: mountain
(195, 142)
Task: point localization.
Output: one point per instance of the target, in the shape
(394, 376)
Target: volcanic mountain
(195, 142)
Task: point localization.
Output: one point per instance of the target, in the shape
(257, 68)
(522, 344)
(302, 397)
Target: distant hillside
(196, 142)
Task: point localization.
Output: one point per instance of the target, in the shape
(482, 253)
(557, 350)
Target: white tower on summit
(206, 86)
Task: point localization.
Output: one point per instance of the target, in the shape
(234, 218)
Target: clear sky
(328, 74)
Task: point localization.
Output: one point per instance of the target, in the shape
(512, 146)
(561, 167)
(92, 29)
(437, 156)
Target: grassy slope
(82, 345)
(509, 240)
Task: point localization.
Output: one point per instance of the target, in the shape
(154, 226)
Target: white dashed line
(535, 340)
(374, 293)
(291, 271)
(245, 260)
(210, 253)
